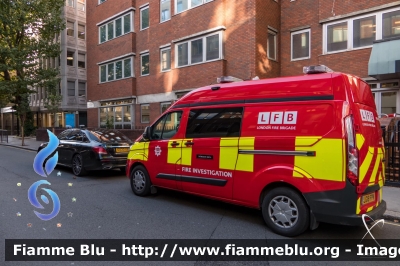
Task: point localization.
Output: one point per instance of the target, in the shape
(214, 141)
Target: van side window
(214, 122)
(167, 126)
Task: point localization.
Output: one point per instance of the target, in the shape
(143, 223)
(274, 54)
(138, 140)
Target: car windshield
(108, 136)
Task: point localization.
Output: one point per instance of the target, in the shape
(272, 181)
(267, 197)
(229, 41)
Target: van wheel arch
(134, 165)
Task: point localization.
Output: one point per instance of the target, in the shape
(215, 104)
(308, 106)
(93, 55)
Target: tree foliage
(27, 36)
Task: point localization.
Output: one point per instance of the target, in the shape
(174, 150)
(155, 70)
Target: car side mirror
(147, 133)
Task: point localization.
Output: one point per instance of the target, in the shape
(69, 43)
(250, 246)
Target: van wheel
(140, 181)
(285, 211)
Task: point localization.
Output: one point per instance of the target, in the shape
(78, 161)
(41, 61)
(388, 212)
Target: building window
(207, 48)
(301, 44)
(101, 1)
(110, 30)
(82, 89)
(118, 117)
(70, 58)
(116, 70)
(145, 113)
(145, 64)
(361, 31)
(71, 88)
(182, 5)
(118, 27)
(127, 23)
(337, 37)
(70, 3)
(81, 61)
(165, 11)
(165, 106)
(70, 28)
(81, 31)
(115, 28)
(81, 5)
(271, 51)
(144, 18)
(166, 59)
(391, 24)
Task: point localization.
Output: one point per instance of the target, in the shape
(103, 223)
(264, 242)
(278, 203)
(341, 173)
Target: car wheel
(77, 165)
(140, 181)
(285, 211)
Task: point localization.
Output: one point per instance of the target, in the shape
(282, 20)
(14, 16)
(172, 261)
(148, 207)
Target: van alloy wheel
(283, 212)
(140, 181)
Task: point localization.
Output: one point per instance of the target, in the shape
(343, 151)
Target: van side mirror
(147, 133)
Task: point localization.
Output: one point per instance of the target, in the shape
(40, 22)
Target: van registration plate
(121, 149)
(368, 198)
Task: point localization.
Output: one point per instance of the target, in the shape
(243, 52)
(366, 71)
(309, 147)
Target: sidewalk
(390, 194)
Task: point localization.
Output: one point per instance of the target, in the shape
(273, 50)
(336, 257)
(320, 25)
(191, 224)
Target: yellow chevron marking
(359, 141)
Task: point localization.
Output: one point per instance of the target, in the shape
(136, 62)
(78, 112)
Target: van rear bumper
(352, 219)
(339, 206)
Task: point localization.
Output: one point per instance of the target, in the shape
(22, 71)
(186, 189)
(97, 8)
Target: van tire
(140, 181)
(294, 221)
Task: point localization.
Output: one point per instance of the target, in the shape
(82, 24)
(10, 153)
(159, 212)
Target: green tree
(27, 36)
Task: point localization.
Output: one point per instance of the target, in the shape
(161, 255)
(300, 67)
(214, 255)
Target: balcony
(384, 62)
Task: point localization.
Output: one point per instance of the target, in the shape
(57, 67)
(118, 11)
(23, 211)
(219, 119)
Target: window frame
(141, 113)
(114, 69)
(73, 29)
(141, 64)
(141, 16)
(162, 21)
(81, 61)
(275, 45)
(73, 58)
(161, 62)
(112, 113)
(84, 31)
(68, 89)
(350, 30)
(292, 46)
(101, 2)
(189, 5)
(113, 21)
(164, 103)
(204, 43)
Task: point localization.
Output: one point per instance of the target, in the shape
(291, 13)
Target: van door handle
(174, 144)
(189, 143)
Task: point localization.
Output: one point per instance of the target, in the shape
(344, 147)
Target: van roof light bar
(316, 69)
(228, 79)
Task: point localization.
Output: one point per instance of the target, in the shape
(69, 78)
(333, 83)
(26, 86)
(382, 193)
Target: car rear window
(109, 135)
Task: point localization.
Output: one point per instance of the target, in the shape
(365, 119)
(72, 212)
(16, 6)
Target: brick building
(360, 37)
(144, 54)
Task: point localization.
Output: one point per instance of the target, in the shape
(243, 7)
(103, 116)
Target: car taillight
(352, 152)
(99, 150)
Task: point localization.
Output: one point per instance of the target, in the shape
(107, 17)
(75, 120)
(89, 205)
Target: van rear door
(369, 145)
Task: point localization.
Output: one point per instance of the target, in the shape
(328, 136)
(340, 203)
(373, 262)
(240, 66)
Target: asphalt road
(106, 208)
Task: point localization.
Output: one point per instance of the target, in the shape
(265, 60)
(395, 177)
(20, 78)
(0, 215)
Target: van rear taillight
(352, 152)
(99, 150)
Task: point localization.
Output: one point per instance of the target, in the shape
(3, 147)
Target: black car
(85, 150)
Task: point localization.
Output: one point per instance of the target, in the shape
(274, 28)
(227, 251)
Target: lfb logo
(45, 170)
(277, 118)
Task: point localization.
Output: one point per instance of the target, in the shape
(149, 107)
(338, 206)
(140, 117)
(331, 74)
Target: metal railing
(3, 135)
(391, 136)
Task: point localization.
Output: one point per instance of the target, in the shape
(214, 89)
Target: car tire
(77, 165)
(140, 181)
(285, 211)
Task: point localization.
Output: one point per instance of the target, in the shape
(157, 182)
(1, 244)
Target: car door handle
(174, 144)
(189, 143)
